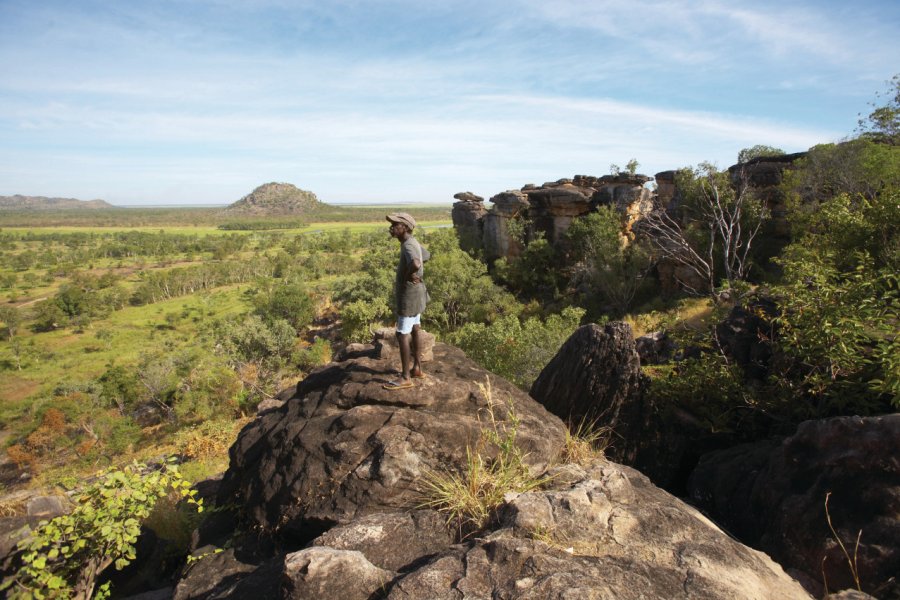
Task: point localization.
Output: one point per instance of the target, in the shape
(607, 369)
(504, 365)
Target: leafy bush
(65, 556)
(515, 349)
(613, 268)
(358, 317)
(460, 288)
(210, 391)
(290, 302)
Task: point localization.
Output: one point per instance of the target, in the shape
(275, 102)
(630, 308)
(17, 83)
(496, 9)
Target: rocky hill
(276, 199)
(19, 202)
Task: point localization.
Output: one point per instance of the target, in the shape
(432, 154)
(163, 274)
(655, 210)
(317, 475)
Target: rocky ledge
(334, 476)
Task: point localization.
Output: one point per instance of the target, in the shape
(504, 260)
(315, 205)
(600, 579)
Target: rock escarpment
(549, 210)
(336, 473)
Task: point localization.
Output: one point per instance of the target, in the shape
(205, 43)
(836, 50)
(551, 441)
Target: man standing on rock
(411, 296)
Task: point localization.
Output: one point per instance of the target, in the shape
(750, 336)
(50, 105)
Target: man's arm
(413, 274)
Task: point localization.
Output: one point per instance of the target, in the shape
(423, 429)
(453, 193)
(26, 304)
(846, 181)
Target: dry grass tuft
(493, 468)
(585, 442)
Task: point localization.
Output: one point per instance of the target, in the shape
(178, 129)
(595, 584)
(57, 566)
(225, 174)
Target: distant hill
(276, 199)
(19, 202)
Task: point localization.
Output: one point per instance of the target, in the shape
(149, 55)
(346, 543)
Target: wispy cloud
(409, 100)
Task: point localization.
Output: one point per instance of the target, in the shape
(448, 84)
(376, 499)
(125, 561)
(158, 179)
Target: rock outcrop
(595, 378)
(772, 494)
(343, 447)
(468, 219)
(549, 210)
(600, 531)
(334, 475)
(275, 199)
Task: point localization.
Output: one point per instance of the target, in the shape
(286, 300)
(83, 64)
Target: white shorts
(405, 324)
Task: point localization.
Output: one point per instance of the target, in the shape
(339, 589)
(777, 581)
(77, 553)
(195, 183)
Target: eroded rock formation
(548, 209)
(343, 447)
(771, 494)
(337, 470)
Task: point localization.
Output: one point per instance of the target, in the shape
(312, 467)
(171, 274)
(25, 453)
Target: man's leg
(403, 343)
(416, 347)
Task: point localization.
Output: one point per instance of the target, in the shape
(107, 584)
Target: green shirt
(411, 297)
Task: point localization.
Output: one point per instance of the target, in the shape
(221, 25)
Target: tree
(883, 123)
(860, 167)
(11, 321)
(606, 259)
(757, 151)
(711, 234)
(460, 288)
(631, 168)
(288, 301)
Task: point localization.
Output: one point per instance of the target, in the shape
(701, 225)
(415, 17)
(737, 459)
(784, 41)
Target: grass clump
(585, 442)
(494, 467)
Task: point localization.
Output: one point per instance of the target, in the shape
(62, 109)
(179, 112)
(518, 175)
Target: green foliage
(317, 354)
(288, 301)
(262, 224)
(515, 349)
(251, 339)
(841, 303)
(712, 388)
(604, 259)
(120, 387)
(64, 557)
(838, 331)
(859, 167)
(494, 467)
(534, 272)
(631, 168)
(358, 318)
(460, 288)
(210, 391)
(757, 151)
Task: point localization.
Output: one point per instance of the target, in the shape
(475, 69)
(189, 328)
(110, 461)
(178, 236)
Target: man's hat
(404, 218)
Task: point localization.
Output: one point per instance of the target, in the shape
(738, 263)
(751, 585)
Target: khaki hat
(404, 218)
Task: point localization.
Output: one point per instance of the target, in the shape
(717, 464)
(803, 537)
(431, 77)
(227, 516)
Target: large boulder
(344, 447)
(596, 377)
(603, 531)
(772, 495)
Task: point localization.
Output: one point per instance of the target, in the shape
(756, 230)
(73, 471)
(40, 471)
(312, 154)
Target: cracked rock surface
(600, 532)
(343, 447)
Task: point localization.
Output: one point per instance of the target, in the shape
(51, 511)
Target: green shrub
(515, 349)
(64, 557)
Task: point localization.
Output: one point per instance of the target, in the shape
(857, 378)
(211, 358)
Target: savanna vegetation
(134, 334)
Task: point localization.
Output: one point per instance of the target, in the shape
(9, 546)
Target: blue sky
(200, 101)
